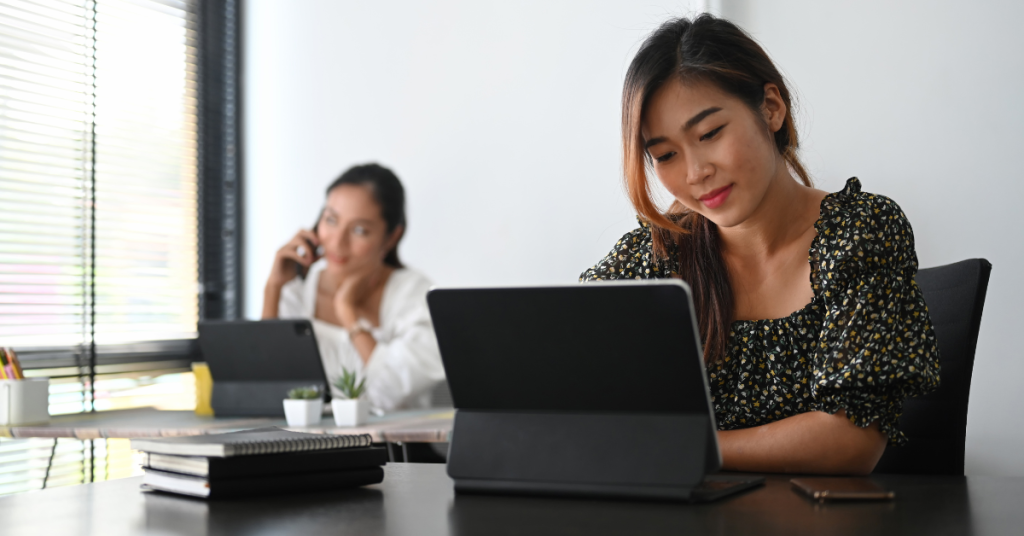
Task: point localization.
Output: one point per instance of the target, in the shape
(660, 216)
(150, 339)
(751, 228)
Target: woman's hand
(351, 297)
(300, 249)
(353, 292)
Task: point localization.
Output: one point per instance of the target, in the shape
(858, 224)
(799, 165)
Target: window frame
(220, 161)
(219, 200)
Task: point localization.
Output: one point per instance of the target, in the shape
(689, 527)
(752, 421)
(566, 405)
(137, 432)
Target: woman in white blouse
(368, 311)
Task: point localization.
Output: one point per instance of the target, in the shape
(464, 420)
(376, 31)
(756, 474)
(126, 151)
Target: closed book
(270, 464)
(270, 440)
(198, 486)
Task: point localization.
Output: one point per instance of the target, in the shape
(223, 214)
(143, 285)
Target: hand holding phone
(294, 258)
(304, 251)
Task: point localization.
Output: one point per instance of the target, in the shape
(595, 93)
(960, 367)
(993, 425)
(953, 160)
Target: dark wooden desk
(418, 499)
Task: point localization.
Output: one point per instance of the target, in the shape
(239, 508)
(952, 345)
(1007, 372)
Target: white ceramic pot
(303, 412)
(350, 412)
(24, 401)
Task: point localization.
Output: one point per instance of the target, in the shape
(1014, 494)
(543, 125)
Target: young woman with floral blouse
(813, 328)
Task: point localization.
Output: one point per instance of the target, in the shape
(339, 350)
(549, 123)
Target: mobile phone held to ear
(316, 251)
(841, 489)
(300, 270)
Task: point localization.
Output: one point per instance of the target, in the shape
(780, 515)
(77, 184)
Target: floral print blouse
(863, 344)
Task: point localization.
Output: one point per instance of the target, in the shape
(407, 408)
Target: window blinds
(45, 97)
(41, 463)
(98, 172)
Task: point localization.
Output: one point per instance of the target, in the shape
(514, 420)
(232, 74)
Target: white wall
(923, 101)
(502, 120)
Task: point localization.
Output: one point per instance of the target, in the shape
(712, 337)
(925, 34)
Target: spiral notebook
(270, 464)
(270, 440)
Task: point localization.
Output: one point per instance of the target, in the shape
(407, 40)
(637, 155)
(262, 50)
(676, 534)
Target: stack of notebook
(259, 462)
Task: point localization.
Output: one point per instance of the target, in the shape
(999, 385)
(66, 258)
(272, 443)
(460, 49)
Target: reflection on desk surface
(292, 514)
(419, 499)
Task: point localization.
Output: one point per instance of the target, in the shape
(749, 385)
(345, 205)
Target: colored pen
(19, 373)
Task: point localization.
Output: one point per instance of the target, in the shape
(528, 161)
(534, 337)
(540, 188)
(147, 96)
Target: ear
(392, 240)
(773, 109)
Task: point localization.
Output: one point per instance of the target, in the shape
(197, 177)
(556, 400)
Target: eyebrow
(333, 212)
(700, 117)
(689, 124)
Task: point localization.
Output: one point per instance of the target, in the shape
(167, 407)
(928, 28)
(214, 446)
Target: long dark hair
(387, 190)
(711, 50)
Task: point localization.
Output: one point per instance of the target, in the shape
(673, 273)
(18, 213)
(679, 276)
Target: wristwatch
(360, 327)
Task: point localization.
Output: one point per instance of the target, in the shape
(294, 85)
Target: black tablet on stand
(255, 363)
(595, 390)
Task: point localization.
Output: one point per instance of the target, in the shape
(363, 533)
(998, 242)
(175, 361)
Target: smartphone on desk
(841, 489)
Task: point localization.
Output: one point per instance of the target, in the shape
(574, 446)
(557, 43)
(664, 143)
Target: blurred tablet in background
(255, 363)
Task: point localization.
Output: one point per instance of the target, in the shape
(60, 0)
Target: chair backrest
(936, 424)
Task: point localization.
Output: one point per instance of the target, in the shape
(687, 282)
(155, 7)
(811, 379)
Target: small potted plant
(304, 406)
(349, 409)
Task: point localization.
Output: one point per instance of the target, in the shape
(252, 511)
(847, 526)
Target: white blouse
(406, 363)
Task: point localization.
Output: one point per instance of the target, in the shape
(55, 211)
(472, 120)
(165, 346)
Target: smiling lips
(715, 198)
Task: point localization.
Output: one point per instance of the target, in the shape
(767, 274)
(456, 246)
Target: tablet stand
(655, 456)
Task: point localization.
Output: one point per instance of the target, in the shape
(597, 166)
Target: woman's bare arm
(271, 297)
(810, 443)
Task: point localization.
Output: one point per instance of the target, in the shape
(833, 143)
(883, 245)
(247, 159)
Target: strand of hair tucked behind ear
(711, 50)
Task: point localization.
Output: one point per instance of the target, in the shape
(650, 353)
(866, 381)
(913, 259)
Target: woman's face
(711, 151)
(352, 231)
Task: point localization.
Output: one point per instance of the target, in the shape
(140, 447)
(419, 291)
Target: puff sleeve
(631, 258)
(877, 345)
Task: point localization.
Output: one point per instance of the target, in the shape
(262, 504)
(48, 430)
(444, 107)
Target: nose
(342, 241)
(698, 169)
(334, 240)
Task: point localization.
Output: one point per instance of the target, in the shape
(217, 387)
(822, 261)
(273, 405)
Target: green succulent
(346, 383)
(311, 392)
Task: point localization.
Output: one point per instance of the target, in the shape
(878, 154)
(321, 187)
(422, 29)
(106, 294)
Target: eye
(360, 230)
(330, 220)
(711, 134)
(665, 157)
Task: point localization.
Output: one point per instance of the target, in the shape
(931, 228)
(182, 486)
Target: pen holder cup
(24, 401)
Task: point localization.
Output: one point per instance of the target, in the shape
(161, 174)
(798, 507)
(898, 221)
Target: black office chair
(936, 424)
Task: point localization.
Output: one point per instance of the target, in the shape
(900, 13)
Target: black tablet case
(584, 390)
(255, 363)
